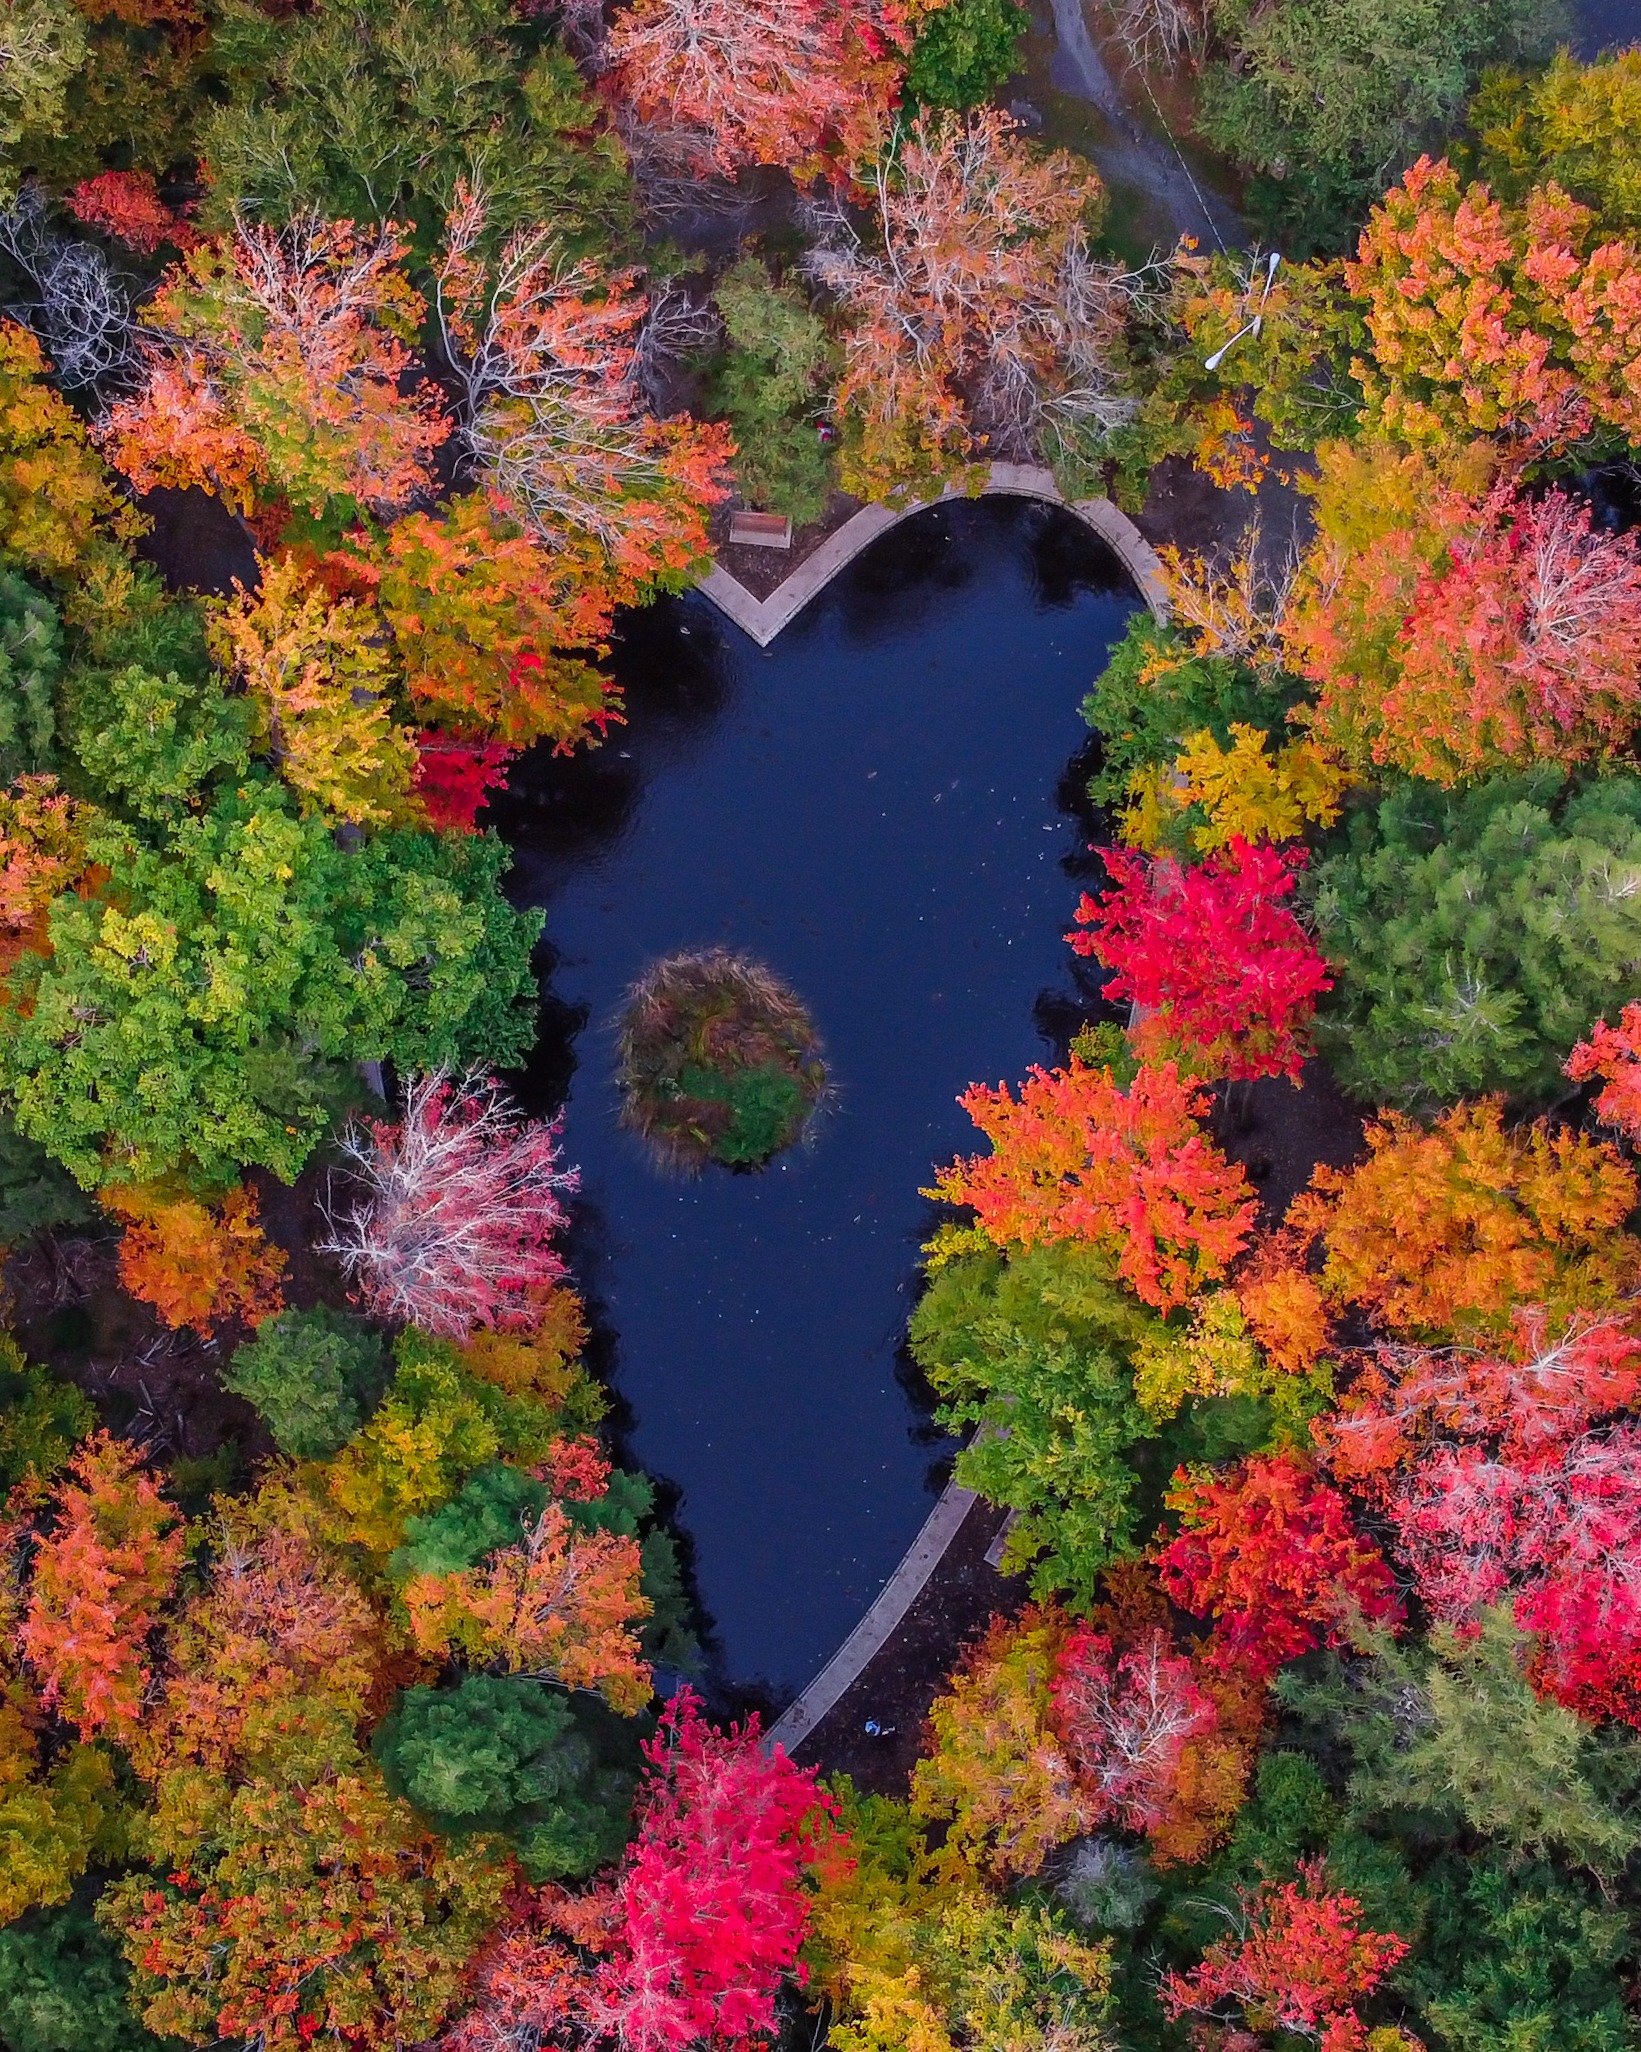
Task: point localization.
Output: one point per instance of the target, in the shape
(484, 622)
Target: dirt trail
(1133, 157)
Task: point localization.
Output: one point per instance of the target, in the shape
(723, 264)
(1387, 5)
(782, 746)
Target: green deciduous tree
(770, 383)
(1474, 937)
(1032, 1348)
(1156, 691)
(196, 1015)
(963, 51)
(42, 45)
(150, 743)
(505, 1755)
(63, 1986)
(1324, 100)
(373, 112)
(42, 1420)
(1576, 124)
(310, 1374)
(31, 660)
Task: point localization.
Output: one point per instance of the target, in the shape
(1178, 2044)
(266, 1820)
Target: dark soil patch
(1279, 1131)
(1186, 509)
(903, 1678)
(762, 571)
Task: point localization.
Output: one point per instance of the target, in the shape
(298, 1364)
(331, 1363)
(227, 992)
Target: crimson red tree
(1213, 951)
(1270, 1553)
(711, 1907)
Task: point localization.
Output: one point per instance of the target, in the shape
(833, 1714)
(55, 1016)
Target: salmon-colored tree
(720, 84)
(101, 1577)
(1298, 1961)
(275, 364)
(1126, 1717)
(1214, 951)
(1493, 319)
(1613, 1053)
(544, 353)
(973, 303)
(1075, 1157)
(1478, 633)
(561, 1604)
(128, 206)
(461, 1201)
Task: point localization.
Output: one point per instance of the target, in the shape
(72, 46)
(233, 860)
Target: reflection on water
(879, 807)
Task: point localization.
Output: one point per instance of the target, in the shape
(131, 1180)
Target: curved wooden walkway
(763, 619)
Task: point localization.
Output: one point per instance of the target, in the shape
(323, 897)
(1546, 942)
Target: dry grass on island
(719, 1062)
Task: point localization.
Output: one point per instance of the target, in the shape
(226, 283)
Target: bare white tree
(81, 310)
(458, 1204)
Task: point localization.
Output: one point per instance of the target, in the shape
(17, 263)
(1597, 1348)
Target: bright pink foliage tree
(1124, 1720)
(712, 1910)
(1270, 1553)
(1300, 1963)
(462, 1200)
(1214, 949)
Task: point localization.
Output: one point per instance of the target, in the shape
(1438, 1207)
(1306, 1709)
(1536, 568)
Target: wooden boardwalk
(763, 619)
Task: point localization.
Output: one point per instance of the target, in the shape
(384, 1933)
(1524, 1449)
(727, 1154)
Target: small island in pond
(719, 1061)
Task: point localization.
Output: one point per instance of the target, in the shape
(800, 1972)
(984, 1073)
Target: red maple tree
(1213, 950)
(1269, 1552)
(462, 1199)
(454, 778)
(711, 1906)
(1076, 1157)
(1299, 1962)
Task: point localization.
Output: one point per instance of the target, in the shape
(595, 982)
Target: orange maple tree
(42, 854)
(199, 1264)
(1492, 319)
(275, 362)
(1077, 1158)
(102, 1575)
(1446, 1230)
(561, 1604)
(483, 616)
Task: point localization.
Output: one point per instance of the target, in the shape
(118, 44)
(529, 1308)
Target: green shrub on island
(718, 1061)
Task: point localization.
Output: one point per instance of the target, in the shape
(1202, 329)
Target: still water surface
(880, 806)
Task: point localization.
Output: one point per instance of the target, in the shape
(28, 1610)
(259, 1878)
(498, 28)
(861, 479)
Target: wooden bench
(761, 530)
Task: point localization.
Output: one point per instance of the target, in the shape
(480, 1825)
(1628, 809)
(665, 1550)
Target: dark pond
(880, 807)
(1602, 25)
